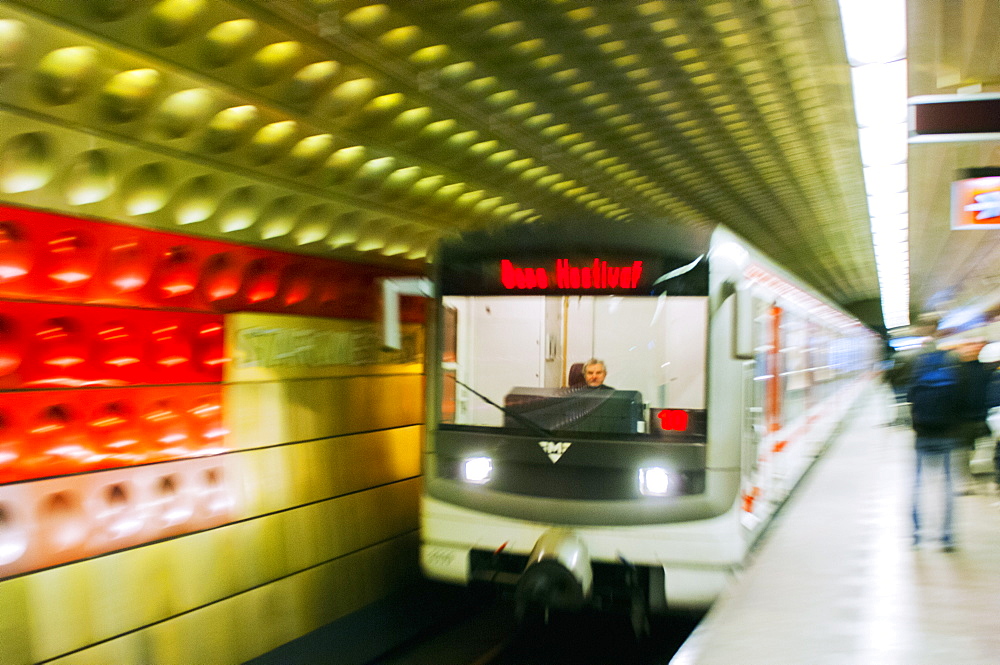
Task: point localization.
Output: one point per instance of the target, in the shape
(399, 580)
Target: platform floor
(836, 580)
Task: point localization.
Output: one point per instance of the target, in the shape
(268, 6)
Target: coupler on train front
(560, 576)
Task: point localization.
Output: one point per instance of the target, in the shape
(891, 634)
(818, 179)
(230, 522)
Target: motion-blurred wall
(204, 452)
(183, 481)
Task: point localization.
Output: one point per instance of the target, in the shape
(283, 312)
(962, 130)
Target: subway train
(724, 378)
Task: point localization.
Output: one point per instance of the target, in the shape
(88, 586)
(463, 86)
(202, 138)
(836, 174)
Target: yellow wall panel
(267, 414)
(283, 477)
(242, 627)
(302, 527)
(302, 473)
(254, 414)
(395, 564)
(370, 515)
(334, 540)
(266, 618)
(274, 546)
(61, 610)
(15, 646)
(148, 578)
(134, 649)
(122, 597)
(335, 589)
(207, 635)
(258, 557)
(378, 458)
(266, 481)
(325, 530)
(380, 569)
(201, 569)
(400, 504)
(361, 461)
(168, 640)
(331, 476)
(325, 593)
(358, 578)
(316, 408)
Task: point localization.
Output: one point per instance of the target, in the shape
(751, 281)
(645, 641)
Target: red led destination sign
(598, 274)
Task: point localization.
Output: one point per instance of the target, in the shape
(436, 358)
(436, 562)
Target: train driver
(594, 373)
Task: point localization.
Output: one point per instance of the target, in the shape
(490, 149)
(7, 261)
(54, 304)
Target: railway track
(489, 635)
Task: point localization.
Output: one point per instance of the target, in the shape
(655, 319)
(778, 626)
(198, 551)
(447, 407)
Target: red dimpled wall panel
(51, 257)
(54, 433)
(47, 345)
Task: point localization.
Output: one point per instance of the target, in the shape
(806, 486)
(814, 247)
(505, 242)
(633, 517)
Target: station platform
(836, 579)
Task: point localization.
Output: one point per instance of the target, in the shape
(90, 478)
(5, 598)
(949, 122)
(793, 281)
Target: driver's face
(594, 375)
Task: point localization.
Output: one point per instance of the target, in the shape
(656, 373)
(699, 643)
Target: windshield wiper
(516, 416)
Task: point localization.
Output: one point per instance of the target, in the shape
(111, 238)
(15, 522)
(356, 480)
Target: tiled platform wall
(204, 453)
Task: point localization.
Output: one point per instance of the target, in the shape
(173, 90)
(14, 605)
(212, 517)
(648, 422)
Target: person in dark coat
(990, 357)
(975, 381)
(898, 376)
(993, 401)
(937, 430)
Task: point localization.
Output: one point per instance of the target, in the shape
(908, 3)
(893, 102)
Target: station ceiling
(366, 131)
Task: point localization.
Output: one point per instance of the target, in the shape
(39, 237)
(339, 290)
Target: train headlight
(654, 481)
(477, 470)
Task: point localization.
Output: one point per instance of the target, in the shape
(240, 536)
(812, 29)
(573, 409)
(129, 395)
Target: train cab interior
(515, 362)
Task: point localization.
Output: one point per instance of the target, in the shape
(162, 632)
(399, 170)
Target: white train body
(732, 375)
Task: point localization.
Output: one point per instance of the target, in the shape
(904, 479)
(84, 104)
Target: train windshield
(588, 365)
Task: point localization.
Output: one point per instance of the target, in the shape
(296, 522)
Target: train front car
(575, 493)
(638, 481)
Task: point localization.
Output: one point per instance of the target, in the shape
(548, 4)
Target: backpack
(935, 394)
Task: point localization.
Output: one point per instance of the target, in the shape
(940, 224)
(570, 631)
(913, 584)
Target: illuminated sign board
(598, 274)
(975, 203)
(535, 273)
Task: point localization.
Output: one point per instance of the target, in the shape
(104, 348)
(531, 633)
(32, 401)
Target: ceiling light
(875, 37)
(883, 205)
(885, 179)
(874, 30)
(880, 93)
(883, 145)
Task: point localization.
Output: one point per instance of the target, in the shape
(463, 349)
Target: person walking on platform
(936, 402)
(990, 356)
(975, 379)
(899, 375)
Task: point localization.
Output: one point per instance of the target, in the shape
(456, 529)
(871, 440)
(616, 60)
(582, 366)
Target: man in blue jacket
(936, 401)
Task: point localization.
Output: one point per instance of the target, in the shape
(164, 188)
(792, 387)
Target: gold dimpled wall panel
(169, 141)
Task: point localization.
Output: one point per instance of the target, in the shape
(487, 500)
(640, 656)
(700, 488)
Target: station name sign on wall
(280, 346)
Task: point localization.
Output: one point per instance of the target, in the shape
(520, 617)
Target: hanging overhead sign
(975, 201)
(597, 274)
